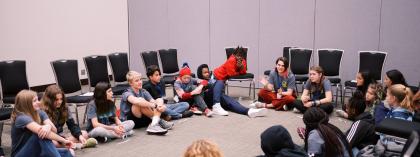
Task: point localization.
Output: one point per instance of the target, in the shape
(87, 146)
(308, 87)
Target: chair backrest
(119, 66)
(372, 61)
(231, 50)
(97, 70)
(300, 59)
(286, 52)
(169, 60)
(411, 147)
(66, 74)
(149, 58)
(13, 77)
(330, 61)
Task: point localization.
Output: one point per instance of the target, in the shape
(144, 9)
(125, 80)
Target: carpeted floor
(236, 135)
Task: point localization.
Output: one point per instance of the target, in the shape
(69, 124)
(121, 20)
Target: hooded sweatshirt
(362, 131)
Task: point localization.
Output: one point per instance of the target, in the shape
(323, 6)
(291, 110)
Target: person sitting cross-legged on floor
(277, 92)
(103, 122)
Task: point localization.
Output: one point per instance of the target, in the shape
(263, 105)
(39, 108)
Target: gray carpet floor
(236, 135)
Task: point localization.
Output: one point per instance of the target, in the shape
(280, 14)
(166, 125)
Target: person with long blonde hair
(203, 148)
(31, 129)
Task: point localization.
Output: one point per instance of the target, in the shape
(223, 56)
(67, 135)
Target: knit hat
(185, 70)
(275, 139)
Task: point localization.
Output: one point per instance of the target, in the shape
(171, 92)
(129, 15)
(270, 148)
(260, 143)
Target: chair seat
(9, 99)
(119, 89)
(350, 84)
(397, 127)
(267, 72)
(79, 99)
(244, 76)
(335, 80)
(301, 78)
(5, 113)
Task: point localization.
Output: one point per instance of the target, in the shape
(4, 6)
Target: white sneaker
(256, 104)
(295, 110)
(341, 113)
(285, 108)
(217, 109)
(252, 112)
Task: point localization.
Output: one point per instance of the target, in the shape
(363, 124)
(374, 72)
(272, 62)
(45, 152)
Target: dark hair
(284, 60)
(200, 70)
(103, 105)
(239, 51)
(367, 79)
(48, 100)
(151, 70)
(316, 119)
(356, 104)
(396, 77)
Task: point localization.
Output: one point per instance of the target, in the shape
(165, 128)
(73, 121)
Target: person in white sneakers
(139, 106)
(226, 101)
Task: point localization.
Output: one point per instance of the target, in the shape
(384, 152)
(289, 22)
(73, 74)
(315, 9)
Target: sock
(155, 120)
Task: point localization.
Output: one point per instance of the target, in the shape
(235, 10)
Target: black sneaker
(187, 114)
(101, 139)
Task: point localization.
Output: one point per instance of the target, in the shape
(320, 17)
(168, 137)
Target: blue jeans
(35, 146)
(231, 104)
(176, 110)
(218, 91)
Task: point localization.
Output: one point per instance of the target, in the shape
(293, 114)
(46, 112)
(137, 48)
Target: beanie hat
(185, 70)
(275, 139)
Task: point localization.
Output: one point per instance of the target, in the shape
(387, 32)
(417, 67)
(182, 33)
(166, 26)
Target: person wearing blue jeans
(31, 129)
(225, 100)
(156, 88)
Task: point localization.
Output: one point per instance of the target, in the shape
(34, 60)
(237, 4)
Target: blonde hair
(23, 105)
(203, 148)
(131, 75)
(378, 91)
(403, 95)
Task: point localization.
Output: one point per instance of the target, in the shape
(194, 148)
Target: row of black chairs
(13, 77)
(330, 60)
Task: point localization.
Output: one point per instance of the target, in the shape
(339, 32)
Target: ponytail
(404, 96)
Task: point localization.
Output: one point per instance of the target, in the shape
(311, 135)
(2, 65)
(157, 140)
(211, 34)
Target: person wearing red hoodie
(235, 65)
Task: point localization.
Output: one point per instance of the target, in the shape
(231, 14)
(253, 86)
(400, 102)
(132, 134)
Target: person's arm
(35, 128)
(243, 70)
(230, 66)
(50, 123)
(74, 128)
(305, 96)
(268, 84)
(140, 101)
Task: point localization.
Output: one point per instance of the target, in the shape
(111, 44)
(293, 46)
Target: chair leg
(77, 114)
(249, 91)
(341, 93)
(85, 115)
(253, 89)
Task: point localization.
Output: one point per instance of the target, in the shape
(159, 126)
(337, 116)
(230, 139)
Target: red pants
(271, 97)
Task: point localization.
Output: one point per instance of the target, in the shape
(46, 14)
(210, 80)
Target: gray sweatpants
(102, 132)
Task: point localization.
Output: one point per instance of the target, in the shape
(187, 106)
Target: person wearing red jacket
(235, 65)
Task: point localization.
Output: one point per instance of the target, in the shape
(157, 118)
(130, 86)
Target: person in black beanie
(277, 142)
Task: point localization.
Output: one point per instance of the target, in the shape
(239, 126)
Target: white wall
(266, 26)
(45, 30)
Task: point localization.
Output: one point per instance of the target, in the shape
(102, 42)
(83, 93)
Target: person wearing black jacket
(54, 104)
(362, 131)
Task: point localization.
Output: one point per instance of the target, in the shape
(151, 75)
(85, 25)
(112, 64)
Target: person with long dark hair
(323, 138)
(363, 79)
(103, 122)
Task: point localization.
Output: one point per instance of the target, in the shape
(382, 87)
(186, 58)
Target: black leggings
(327, 107)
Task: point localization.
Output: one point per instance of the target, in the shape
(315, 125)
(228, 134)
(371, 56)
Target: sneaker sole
(157, 133)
